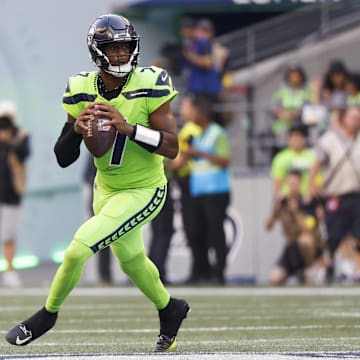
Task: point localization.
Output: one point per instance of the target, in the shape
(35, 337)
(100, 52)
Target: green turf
(107, 324)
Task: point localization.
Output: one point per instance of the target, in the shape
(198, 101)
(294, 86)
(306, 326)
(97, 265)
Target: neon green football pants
(118, 222)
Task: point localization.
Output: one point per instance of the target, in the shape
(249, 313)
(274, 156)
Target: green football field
(225, 323)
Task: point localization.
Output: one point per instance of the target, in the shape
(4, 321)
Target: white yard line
(201, 329)
(203, 356)
(288, 342)
(192, 291)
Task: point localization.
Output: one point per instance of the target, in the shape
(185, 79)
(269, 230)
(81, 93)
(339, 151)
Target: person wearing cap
(203, 75)
(14, 150)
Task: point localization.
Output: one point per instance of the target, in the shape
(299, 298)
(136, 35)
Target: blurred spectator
(104, 256)
(347, 261)
(199, 59)
(297, 156)
(203, 74)
(161, 62)
(14, 150)
(288, 101)
(315, 115)
(300, 227)
(163, 229)
(334, 94)
(352, 88)
(187, 34)
(210, 189)
(338, 153)
(174, 52)
(182, 166)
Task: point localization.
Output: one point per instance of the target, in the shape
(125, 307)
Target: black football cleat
(31, 328)
(170, 321)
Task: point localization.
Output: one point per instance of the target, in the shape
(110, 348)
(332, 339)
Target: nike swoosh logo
(164, 77)
(22, 341)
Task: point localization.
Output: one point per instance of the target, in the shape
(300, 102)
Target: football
(98, 138)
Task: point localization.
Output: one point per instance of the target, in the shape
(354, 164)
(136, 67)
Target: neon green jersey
(287, 160)
(288, 98)
(126, 165)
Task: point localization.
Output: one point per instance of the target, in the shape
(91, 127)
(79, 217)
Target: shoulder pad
(80, 87)
(155, 75)
(80, 81)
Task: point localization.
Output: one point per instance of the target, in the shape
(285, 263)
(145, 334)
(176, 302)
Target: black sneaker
(31, 328)
(170, 320)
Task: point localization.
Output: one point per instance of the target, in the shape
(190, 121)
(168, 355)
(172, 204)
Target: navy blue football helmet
(113, 28)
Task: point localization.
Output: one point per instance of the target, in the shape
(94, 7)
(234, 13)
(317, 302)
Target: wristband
(148, 138)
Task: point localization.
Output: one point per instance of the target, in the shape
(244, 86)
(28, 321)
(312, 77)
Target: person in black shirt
(14, 149)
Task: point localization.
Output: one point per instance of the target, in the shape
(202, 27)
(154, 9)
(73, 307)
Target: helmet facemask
(121, 69)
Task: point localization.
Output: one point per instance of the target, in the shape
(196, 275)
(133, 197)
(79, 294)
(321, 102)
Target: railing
(290, 31)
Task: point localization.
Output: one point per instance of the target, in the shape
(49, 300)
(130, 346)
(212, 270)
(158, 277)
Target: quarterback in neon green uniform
(130, 185)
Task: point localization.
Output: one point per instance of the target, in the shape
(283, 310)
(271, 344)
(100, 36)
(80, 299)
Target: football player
(130, 185)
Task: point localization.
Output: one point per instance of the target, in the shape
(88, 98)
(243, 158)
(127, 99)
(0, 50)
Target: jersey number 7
(118, 149)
